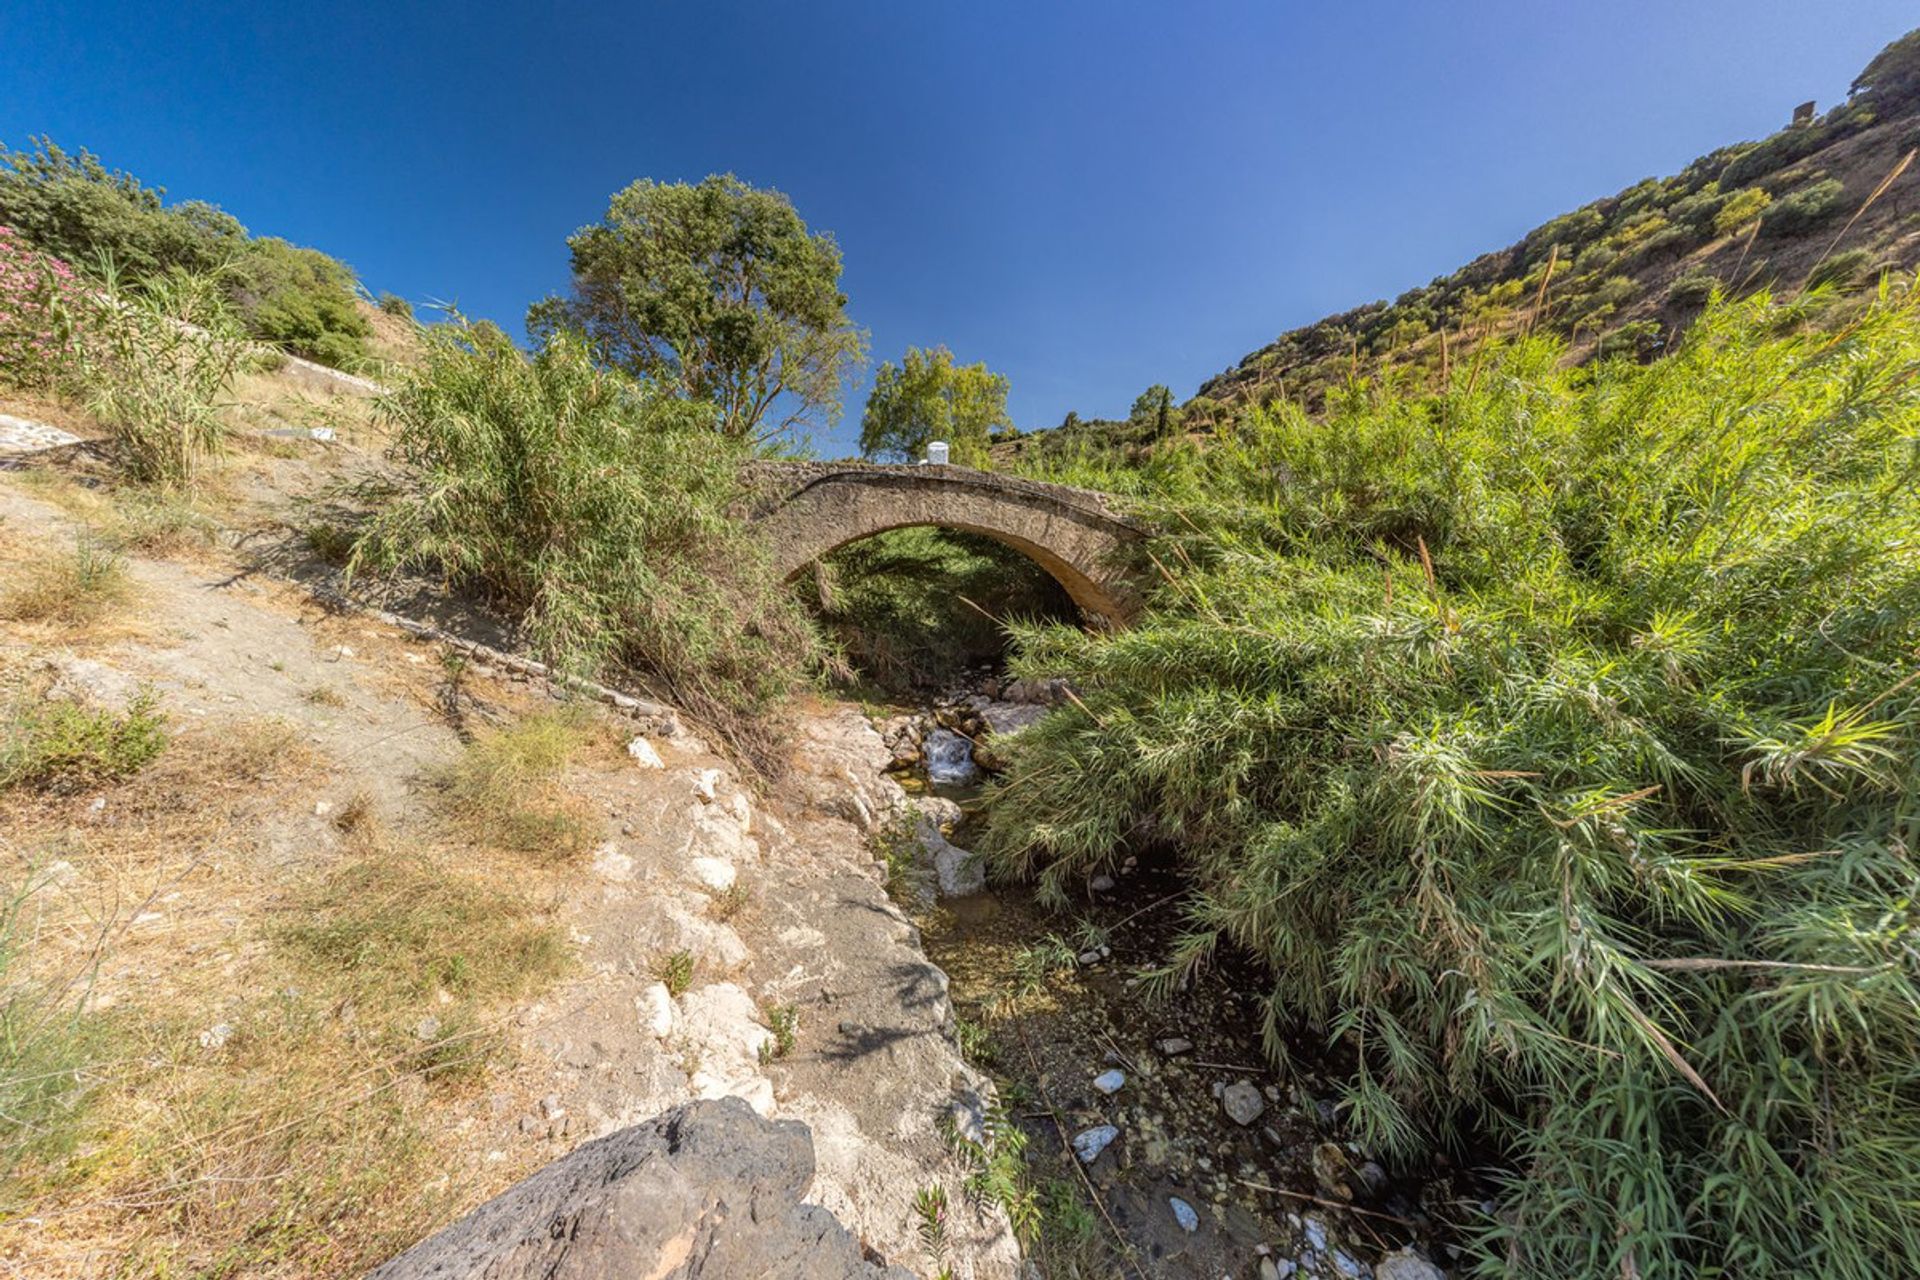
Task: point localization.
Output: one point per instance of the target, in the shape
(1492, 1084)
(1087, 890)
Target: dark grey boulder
(706, 1190)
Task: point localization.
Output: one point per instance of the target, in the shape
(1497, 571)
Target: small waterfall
(949, 759)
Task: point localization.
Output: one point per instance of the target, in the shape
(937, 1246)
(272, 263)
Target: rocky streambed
(1157, 1139)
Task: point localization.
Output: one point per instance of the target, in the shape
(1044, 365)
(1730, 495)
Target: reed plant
(596, 511)
(1554, 743)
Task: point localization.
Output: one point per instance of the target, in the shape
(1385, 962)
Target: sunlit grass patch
(505, 788)
(61, 745)
(73, 590)
(394, 922)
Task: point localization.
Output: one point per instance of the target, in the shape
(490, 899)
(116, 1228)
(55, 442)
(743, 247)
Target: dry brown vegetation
(249, 1037)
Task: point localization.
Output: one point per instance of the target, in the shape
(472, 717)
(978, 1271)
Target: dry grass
(155, 522)
(70, 590)
(265, 402)
(278, 1059)
(505, 790)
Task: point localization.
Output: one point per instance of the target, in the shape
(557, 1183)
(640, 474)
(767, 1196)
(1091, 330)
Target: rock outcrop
(707, 1190)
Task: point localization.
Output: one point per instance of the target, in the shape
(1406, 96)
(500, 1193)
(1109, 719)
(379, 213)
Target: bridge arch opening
(916, 568)
(817, 509)
(914, 606)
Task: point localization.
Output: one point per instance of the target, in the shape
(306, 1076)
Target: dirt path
(774, 903)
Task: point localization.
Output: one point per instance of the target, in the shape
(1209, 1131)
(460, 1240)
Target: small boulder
(656, 1009)
(1089, 1143)
(716, 874)
(1110, 1082)
(1242, 1103)
(645, 755)
(1183, 1213)
(1173, 1047)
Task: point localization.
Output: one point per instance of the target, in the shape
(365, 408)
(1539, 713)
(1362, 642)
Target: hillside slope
(1627, 273)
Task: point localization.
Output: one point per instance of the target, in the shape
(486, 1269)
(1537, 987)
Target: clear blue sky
(1090, 197)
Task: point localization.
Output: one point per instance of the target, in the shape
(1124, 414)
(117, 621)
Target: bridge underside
(1067, 532)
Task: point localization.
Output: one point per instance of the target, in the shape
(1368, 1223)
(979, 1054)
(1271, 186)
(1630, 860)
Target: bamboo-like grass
(1555, 743)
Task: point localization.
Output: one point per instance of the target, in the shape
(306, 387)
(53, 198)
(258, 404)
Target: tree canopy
(1154, 410)
(716, 291)
(70, 205)
(927, 397)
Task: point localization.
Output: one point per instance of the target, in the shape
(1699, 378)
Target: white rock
(724, 1023)
(1407, 1265)
(742, 810)
(1183, 1214)
(715, 873)
(216, 1036)
(611, 864)
(958, 871)
(1089, 1143)
(656, 1009)
(1101, 884)
(1316, 1232)
(1110, 1082)
(644, 755)
(1173, 1047)
(704, 784)
(550, 1107)
(756, 1089)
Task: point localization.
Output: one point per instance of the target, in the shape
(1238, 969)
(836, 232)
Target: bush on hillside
(1693, 289)
(1740, 210)
(1842, 270)
(1804, 209)
(301, 301)
(154, 363)
(594, 509)
(1555, 745)
(103, 221)
(36, 294)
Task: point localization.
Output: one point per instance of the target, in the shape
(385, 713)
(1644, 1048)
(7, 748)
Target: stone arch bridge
(804, 510)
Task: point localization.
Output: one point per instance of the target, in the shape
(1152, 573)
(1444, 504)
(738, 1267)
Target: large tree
(716, 291)
(927, 397)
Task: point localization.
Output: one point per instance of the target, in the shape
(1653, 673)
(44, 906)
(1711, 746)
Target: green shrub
(106, 222)
(58, 745)
(396, 306)
(301, 301)
(1636, 339)
(596, 510)
(1804, 209)
(74, 207)
(1555, 747)
(1693, 289)
(1740, 210)
(1841, 270)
